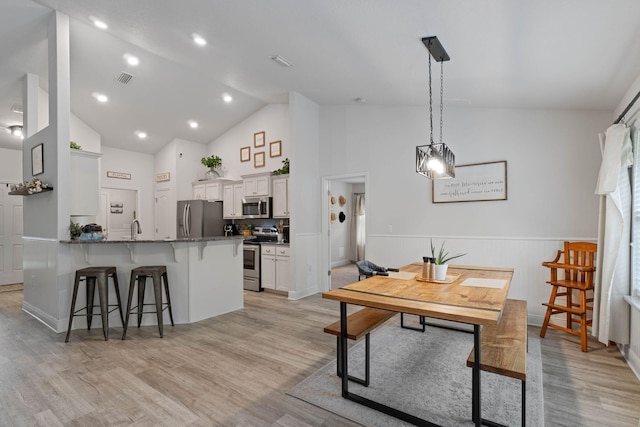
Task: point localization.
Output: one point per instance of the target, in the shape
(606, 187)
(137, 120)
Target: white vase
(441, 271)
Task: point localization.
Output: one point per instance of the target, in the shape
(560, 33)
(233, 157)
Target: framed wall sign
(118, 175)
(275, 149)
(37, 161)
(473, 183)
(162, 177)
(258, 160)
(258, 139)
(245, 154)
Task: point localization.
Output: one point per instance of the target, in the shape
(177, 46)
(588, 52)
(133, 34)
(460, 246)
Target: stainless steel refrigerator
(199, 218)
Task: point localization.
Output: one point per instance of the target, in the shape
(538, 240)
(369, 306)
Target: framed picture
(37, 164)
(258, 139)
(275, 149)
(258, 160)
(473, 183)
(245, 154)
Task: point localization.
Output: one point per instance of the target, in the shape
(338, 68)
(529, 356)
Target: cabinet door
(281, 198)
(250, 188)
(238, 193)
(199, 191)
(262, 185)
(228, 202)
(212, 191)
(283, 275)
(268, 271)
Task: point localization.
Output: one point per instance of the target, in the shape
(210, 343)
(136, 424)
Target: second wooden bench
(358, 324)
(503, 348)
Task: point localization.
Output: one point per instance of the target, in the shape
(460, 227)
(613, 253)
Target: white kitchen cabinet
(199, 192)
(232, 200)
(276, 267)
(280, 196)
(207, 191)
(84, 185)
(257, 185)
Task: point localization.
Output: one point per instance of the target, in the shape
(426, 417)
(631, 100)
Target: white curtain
(610, 311)
(358, 232)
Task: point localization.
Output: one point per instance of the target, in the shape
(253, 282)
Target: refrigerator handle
(188, 219)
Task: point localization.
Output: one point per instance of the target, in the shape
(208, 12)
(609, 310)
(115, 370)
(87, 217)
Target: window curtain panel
(358, 232)
(610, 312)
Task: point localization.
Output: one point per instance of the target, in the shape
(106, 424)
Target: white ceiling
(558, 54)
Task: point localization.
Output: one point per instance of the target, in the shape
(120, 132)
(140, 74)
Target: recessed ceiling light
(131, 60)
(198, 39)
(281, 61)
(360, 100)
(193, 124)
(98, 23)
(227, 98)
(100, 97)
(141, 134)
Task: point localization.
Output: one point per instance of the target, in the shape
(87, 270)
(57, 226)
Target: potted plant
(284, 169)
(212, 162)
(75, 230)
(74, 145)
(247, 229)
(441, 260)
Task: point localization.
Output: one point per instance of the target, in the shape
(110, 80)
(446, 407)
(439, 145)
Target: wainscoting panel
(524, 255)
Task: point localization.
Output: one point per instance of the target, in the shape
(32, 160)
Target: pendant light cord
(441, 96)
(430, 105)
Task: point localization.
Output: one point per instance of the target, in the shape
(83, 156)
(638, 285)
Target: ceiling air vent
(124, 78)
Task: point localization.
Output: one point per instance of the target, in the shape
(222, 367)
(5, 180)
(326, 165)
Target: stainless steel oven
(251, 270)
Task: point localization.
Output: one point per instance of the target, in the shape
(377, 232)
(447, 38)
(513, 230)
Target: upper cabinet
(280, 196)
(207, 190)
(84, 185)
(232, 200)
(257, 185)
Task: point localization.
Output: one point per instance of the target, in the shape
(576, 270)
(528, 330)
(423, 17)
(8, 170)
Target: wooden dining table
(470, 295)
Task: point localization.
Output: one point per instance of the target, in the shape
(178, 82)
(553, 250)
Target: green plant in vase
(441, 260)
(75, 230)
(284, 169)
(212, 162)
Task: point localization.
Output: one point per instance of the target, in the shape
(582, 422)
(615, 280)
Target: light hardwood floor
(234, 370)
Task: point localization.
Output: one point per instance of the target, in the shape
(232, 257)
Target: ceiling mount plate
(435, 48)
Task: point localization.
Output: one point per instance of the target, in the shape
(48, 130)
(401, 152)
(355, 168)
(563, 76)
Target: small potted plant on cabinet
(247, 229)
(212, 162)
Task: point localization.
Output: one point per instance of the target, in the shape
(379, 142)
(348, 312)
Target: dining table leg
(343, 349)
(476, 413)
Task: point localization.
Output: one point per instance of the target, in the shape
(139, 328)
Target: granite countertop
(195, 239)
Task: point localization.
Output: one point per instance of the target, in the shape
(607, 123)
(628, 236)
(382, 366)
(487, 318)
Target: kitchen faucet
(135, 225)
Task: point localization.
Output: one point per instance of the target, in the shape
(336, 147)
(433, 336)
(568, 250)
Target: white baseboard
(299, 294)
(43, 317)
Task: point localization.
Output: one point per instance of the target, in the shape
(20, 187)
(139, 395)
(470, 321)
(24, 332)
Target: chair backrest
(582, 254)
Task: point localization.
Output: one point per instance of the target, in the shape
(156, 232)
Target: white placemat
(402, 275)
(484, 283)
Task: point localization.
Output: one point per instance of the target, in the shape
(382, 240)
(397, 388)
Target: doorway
(344, 227)
(118, 209)
(11, 246)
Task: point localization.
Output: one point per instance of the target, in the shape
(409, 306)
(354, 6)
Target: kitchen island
(205, 274)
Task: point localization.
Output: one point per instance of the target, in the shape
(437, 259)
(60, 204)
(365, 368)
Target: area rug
(425, 374)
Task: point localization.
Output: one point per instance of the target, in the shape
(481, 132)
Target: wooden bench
(358, 324)
(503, 347)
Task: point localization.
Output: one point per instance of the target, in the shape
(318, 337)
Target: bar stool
(91, 276)
(158, 273)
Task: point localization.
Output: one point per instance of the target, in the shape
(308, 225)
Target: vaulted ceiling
(562, 54)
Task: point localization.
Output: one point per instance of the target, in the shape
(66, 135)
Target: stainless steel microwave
(256, 207)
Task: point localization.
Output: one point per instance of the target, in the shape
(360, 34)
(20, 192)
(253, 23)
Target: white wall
(553, 160)
(142, 169)
(273, 119)
(10, 166)
(188, 167)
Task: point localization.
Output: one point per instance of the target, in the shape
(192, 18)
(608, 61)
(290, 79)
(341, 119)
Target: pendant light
(435, 160)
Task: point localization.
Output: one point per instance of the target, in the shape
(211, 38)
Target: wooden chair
(578, 267)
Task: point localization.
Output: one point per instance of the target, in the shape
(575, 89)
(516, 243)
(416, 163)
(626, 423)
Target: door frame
(325, 234)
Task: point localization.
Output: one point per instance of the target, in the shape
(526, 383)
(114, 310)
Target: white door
(11, 245)
(164, 225)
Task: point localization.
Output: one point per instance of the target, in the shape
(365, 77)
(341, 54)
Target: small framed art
(275, 149)
(245, 154)
(258, 160)
(37, 163)
(258, 139)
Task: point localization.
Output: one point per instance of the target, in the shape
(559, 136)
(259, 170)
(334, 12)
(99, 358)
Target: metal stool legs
(158, 275)
(95, 276)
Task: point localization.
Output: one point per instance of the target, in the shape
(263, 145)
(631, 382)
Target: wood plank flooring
(234, 370)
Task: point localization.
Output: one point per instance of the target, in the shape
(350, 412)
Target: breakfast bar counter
(205, 274)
